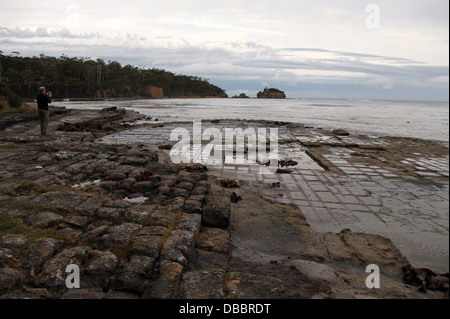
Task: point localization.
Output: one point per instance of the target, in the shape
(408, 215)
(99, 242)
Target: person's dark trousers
(44, 119)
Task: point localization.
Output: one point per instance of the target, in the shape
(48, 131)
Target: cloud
(238, 61)
(42, 32)
(441, 80)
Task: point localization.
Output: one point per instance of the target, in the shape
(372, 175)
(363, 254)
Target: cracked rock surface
(138, 226)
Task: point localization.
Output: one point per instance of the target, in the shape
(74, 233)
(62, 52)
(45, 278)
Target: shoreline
(141, 227)
(304, 114)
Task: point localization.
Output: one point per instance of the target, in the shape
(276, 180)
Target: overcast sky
(386, 49)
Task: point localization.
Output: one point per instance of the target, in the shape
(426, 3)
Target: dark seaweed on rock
(229, 183)
(425, 279)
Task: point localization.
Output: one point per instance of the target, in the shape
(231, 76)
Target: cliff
(154, 92)
(271, 94)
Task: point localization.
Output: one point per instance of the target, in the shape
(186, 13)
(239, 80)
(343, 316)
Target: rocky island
(241, 96)
(271, 94)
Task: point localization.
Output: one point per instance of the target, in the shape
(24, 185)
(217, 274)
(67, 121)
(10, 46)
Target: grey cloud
(240, 61)
(352, 54)
(40, 32)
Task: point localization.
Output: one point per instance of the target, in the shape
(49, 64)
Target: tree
(88, 78)
(1, 55)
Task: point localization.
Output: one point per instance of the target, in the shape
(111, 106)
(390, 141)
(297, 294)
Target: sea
(417, 119)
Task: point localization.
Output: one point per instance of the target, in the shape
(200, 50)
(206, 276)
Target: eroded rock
(203, 285)
(40, 251)
(135, 274)
(43, 219)
(214, 239)
(165, 286)
(217, 211)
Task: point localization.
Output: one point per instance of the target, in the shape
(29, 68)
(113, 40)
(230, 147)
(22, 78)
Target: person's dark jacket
(43, 101)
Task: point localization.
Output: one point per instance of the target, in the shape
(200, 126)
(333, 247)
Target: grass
(11, 146)
(5, 108)
(9, 226)
(29, 188)
(31, 208)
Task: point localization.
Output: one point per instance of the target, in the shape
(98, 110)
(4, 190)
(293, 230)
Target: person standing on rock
(43, 100)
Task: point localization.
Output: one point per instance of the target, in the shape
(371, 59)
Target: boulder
(40, 251)
(69, 234)
(214, 239)
(43, 219)
(200, 190)
(99, 268)
(179, 192)
(110, 213)
(217, 211)
(189, 222)
(185, 185)
(193, 206)
(53, 274)
(162, 217)
(135, 275)
(147, 241)
(14, 241)
(68, 201)
(9, 278)
(165, 285)
(133, 160)
(120, 236)
(77, 221)
(94, 234)
(138, 213)
(90, 206)
(5, 254)
(147, 186)
(179, 247)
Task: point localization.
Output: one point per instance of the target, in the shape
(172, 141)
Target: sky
(355, 49)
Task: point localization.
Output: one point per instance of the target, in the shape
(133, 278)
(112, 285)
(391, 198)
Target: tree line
(74, 77)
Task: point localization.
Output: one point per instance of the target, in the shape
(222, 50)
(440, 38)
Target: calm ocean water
(425, 120)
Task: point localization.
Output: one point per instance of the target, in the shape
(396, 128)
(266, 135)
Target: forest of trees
(69, 77)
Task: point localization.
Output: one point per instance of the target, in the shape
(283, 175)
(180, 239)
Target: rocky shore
(139, 226)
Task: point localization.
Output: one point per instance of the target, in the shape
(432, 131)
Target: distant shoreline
(229, 98)
(123, 99)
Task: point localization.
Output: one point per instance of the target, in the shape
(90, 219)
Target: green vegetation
(9, 226)
(29, 188)
(76, 77)
(8, 98)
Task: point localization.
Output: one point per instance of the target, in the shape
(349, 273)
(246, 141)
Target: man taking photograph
(43, 99)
